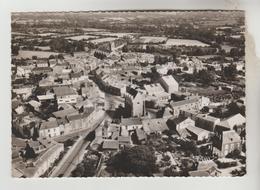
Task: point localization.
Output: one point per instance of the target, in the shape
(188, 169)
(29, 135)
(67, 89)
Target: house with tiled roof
(235, 120)
(152, 126)
(206, 122)
(226, 142)
(49, 129)
(197, 133)
(110, 145)
(155, 91)
(65, 94)
(169, 84)
(180, 123)
(131, 124)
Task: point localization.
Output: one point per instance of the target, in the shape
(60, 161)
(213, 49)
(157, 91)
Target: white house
(49, 129)
(65, 94)
(134, 102)
(131, 123)
(157, 92)
(169, 84)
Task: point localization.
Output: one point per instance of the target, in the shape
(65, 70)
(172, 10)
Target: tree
(35, 135)
(15, 50)
(188, 165)
(234, 108)
(125, 48)
(230, 71)
(34, 57)
(139, 160)
(172, 172)
(87, 168)
(185, 68)
(170, 72)
(206, 77)
(29, 152)
(60, 56)
(51, 57)
(234, 154)
(234, 52)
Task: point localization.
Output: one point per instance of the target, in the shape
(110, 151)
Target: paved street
(72, 157)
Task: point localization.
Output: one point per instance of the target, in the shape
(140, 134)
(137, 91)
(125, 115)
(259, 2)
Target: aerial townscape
(128, 93)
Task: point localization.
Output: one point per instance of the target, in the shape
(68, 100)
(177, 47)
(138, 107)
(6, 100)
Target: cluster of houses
(65, 94)
(34, 158)
(184, 116)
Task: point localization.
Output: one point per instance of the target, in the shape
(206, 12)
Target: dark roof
(88, 111)
(132, 91)
(177, 120)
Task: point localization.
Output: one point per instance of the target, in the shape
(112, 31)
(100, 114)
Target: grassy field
(40, 54)
(101, 40)
(152, 39)
(209, 91)
(227, 48)
(181, 42)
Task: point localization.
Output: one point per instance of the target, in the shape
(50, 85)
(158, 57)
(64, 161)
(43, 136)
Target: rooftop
(169, 80)
(110, 144)
(154, 88)
(65, 112)
(230, 122)
(49, 124)
(154, 125)
(64, 91)
(184, 102)
(131, 121)
(230, 137)
(207, 117)
(196, 130)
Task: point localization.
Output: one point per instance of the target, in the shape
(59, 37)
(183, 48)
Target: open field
(227, 48)
(209, 91)
(29, 54)
(185, 42)
(101, 40)
(152, 39)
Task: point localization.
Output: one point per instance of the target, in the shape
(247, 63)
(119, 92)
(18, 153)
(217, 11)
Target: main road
(75, 153)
